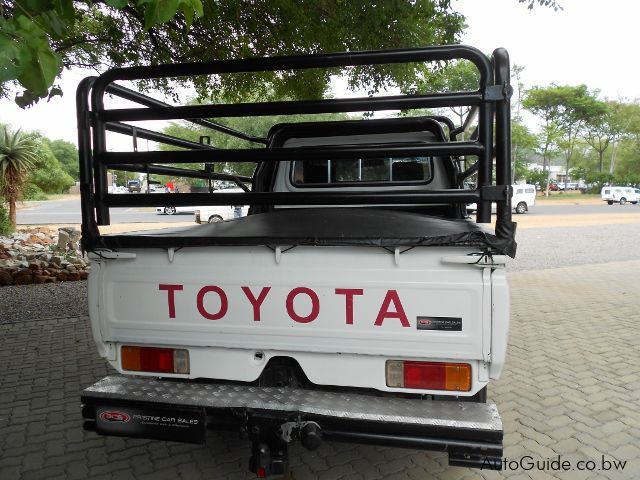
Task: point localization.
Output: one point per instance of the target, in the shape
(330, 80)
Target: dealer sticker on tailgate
(440, 323)
(177, 424)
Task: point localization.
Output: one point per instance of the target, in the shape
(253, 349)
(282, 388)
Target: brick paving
(571, 388)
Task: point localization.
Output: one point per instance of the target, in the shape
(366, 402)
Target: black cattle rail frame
(491, 101)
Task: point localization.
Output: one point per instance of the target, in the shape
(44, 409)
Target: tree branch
(72, 44)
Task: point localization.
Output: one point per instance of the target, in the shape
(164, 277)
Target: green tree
(67, 154)
(523, 145)
(38, 38)
(625, 150)
(600, 130)
(454, 77)
(518, 91)
(43, 37)
(564, 110)
(17, 157)
(47, 173)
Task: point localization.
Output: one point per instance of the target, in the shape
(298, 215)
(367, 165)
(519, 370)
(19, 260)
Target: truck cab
(134, 186)
(355, 302)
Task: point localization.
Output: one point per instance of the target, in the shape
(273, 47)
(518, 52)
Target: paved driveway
(571, 388)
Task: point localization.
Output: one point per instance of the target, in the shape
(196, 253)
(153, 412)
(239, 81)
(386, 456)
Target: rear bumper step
(181, 411)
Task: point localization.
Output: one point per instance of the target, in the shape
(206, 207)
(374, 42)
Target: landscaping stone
(40, 255)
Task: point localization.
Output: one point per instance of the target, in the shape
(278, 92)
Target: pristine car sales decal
(162, 423)
(115, 416)
(391, 308)
(439, 323)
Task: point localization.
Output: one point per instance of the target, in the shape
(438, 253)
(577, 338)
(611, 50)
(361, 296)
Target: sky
(589, 41)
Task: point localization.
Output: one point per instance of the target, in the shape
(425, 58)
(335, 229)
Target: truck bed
(321, 227)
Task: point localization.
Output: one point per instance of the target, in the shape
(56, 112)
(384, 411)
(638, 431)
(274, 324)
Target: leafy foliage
(456, 76)
(6, 227)
(545, 3)
(565, 110)
(39, 37)
(67, 154)
(46, 36)
(32, 192)
(523, 145)
(47, 174)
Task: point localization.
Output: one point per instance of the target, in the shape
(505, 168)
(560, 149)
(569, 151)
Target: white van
(219, 213)
(523, 197)
(614, 194)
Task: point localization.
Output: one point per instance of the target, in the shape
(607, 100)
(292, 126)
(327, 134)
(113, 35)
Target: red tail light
(157, 360)
(429, 375)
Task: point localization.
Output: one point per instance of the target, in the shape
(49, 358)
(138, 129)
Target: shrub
(5, 225)
(33, 192)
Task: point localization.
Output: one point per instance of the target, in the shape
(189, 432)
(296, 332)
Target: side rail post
(505, 228)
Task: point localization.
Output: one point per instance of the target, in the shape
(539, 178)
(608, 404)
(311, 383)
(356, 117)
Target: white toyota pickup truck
(356, 302)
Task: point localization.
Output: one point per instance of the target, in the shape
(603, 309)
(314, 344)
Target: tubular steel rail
(491, 100)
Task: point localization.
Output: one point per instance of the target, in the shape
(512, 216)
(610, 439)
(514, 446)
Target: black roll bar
(491, 100)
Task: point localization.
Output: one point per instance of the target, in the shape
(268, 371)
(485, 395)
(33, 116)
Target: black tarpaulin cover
(324, 227)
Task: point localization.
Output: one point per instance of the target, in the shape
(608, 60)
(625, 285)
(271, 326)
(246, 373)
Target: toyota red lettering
(171, 289)
(391, 307)
(315, 305)
(349, 293)
(256, 303)
(224, 303)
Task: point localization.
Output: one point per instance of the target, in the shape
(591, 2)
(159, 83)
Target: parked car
(174, 210)
(118, 189)
(523, 197)
(616, 194)
(220, 213)
(553, 187)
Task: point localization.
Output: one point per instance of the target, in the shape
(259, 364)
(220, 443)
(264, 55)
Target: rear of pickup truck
(391, 344)
(356, 302)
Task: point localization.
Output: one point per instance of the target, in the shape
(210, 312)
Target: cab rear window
(362, 171)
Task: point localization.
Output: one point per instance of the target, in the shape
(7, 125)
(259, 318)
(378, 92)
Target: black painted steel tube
(179, 172)
(442, 444)
(503, 141)
(125, 129)
(485, 137)
(285, 154)
(99, 170)
(137, 97)
(391, 102)
(342, 59)
(293, 198)
(89, 228)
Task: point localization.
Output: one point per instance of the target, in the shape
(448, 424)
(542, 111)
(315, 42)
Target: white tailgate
(134, 300)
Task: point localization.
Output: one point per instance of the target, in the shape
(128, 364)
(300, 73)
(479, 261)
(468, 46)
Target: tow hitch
(270, 444)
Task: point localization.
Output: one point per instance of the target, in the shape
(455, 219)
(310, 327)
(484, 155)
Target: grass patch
(567, 196)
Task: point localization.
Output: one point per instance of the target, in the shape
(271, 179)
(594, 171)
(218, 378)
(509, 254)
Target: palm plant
(18, 153)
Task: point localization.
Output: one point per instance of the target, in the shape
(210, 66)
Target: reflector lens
(429, 375)
(152, 359)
